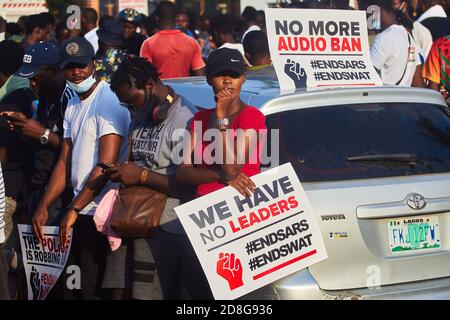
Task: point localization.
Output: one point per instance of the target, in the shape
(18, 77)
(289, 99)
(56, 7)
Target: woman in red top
(225, 71)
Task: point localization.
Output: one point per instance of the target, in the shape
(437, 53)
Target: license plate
(414, 233)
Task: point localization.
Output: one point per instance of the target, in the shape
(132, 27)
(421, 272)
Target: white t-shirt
(92, 37)
(85, 122)
(250, 29)
(236, 46)
(436, 11)
(423, 37)
(391, 52)
(2, 207)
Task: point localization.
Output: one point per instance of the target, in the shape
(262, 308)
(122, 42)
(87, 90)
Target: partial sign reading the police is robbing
(320, 48)
(43, 262)
(244, 243)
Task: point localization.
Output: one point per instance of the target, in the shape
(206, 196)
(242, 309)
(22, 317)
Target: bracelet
(144, 176)
(71, 207)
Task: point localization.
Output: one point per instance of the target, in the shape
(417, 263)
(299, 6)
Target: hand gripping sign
(244, 243)
(43, 262)
(314, 48)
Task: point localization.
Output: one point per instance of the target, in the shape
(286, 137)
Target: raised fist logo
(230, 268)
(296, 73)
(35, 283)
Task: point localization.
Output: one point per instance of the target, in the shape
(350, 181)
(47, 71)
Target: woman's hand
(223, 100)
(243, 184)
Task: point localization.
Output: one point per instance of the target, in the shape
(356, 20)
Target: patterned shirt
(437, 66)
(107, 63)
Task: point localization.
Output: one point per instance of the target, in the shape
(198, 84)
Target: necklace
(48, 111)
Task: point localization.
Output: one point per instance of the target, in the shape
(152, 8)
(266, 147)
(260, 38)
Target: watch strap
(73, 208)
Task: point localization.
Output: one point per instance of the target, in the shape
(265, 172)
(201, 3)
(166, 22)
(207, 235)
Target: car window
(363, 141)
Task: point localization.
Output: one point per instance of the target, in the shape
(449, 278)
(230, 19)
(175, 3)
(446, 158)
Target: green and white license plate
(414, 233)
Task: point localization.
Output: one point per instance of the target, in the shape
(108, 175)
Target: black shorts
(88, 253)
(4, 293)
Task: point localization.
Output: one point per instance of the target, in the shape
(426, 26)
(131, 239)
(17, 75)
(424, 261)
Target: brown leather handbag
(137, 211)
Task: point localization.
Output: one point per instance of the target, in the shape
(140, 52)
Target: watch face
(223, 122)
(44, 140)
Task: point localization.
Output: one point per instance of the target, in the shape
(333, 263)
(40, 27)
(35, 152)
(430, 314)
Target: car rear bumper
(302, 286)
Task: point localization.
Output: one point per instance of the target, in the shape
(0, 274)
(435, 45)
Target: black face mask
(150, 113)
(144, 114)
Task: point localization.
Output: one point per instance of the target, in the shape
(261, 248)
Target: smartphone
(104, 165)
(4, 118)
(9, 117)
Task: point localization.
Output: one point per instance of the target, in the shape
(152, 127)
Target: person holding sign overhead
(225, 71)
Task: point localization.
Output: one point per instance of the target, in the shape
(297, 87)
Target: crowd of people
(84, 111)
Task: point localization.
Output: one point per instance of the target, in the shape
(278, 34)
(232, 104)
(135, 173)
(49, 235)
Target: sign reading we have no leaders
(316, 48)
(244, 243)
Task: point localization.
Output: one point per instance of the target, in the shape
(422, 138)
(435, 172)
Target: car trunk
(359, 220)
(361, 164)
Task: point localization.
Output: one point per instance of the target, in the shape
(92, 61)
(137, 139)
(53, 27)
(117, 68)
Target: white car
(375, 164)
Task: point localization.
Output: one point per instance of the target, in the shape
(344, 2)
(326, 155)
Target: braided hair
(134, 72)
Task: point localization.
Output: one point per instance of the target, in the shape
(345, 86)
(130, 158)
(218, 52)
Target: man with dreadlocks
(157, 113)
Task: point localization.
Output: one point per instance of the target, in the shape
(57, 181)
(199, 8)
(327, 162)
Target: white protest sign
(44, 261)
(140, 6)
(316, 48)
(246, 243)
(12, 10)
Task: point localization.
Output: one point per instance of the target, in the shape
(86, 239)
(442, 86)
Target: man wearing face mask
(95, 130)
(157, 113)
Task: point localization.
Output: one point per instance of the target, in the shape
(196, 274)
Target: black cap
(225, 60)
(39, 55)
(77, 50)
(130, 15)
(11, 57)
(110, 32)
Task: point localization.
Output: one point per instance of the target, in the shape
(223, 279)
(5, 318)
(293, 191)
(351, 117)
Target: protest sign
(140, 6)
(244, 243)
(43, 262)
(313, 48)
(12, 10)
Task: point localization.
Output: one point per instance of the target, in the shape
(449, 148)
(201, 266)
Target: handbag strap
(407, 58)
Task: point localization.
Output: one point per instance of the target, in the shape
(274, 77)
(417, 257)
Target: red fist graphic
(230, 268)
